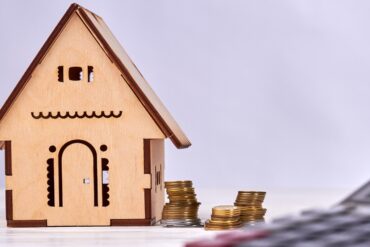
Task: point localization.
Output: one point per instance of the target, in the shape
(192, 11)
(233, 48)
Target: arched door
(77, 183)
(77, 166)
(77, 177)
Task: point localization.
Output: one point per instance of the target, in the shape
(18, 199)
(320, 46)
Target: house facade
(83, 134)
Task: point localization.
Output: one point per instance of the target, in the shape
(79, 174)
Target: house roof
(117, 54)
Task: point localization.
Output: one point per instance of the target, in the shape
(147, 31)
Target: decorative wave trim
(50, 182)
(75, 114)
(105, 195)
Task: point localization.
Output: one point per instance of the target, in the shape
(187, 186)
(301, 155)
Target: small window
(90, 73)
(60, 74)
(75, 73)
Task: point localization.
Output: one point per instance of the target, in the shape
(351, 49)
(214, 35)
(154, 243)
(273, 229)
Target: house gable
(108, 93)
(118, 56)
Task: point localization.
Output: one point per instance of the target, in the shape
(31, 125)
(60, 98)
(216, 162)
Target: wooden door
(77, 192)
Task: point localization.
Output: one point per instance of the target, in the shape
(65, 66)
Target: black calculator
(345, 224)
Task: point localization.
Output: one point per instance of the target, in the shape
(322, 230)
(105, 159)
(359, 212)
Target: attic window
(75, 73)
(90, 73)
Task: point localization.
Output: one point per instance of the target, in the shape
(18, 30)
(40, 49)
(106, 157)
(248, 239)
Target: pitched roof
(117, 54)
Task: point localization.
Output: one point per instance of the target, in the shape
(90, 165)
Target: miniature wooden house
(84, 134)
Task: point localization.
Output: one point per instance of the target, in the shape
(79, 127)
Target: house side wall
(31, 138)
(157, 173)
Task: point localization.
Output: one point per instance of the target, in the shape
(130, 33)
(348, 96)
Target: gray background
(271, 93)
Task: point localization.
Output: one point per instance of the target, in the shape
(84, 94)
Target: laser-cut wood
(155, 158)
(76, 114)
(65, 134)
(50, 182)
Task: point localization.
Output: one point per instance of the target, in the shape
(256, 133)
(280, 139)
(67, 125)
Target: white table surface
(278, 202)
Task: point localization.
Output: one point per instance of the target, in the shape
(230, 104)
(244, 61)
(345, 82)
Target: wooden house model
(83, 134)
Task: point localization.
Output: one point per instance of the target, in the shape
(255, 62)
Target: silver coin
(181, 220)
(182, 223)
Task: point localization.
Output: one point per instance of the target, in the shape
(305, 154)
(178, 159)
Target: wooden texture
(78, 197)
(116, 54)
(157, 171)
(31, 138)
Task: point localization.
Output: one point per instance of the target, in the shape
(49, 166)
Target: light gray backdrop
(271, 93)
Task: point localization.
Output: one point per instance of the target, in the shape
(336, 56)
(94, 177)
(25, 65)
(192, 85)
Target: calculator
(345, 224)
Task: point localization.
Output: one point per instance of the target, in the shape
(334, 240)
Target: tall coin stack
(182, 209)
(250, 205)
(224, 218)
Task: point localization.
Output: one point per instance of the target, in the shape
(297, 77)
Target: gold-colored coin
(184, 202)
(258, 198)
(182, 208)
(251, 194)
(183, 197)
(209, 225)
(241, 192)
(180, 194)
(250, 208)
(169, 204)
(246, 218)
(182, 211)
(250, 205)
(218, 218)
(248, 202)
(224, 222)
(250, 199)
(176, 211)
(252, 211)
(188, 190)
(185, 183)
(187, 209)
(225, 210)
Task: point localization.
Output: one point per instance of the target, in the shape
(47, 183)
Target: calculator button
(315, 230)
(339, 240)
(338, 210)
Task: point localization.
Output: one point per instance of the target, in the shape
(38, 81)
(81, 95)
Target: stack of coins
(182, 209)
(250, 205)
(224, 218)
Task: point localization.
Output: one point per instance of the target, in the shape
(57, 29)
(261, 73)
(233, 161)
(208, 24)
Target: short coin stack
(224, 218)
(250, 205)
(182, 209)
